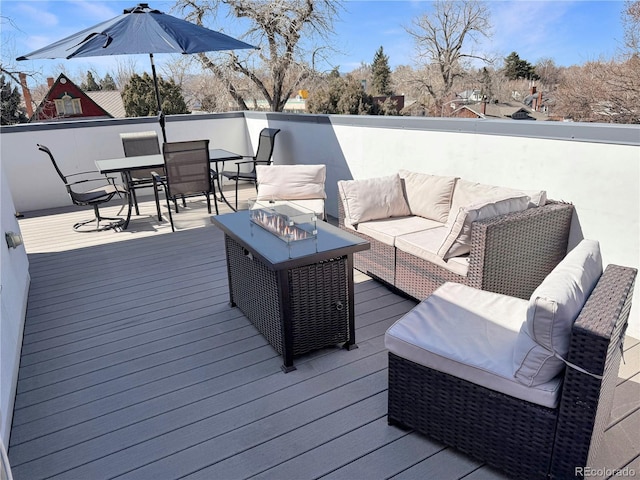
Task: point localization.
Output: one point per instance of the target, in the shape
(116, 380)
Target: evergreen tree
(340, 95)
(108, 83)
(10, 104)
(515, 68)
(381, 82)
(90, 84)
(139, 97)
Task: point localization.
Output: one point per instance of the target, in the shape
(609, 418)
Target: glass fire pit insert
(286, 220)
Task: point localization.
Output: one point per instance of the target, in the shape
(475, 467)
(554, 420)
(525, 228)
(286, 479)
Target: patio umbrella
(139, 30)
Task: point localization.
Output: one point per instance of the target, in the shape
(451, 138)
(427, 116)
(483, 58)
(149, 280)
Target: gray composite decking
(135, 366)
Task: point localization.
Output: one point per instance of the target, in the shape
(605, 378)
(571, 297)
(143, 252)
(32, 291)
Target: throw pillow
(291, 182)
(372, 199)
(457, 241)
(428, 196)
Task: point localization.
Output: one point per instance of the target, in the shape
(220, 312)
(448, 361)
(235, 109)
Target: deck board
(135, 366)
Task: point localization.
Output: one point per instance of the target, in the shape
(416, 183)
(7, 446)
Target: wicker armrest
(512, 254)
(596, 346)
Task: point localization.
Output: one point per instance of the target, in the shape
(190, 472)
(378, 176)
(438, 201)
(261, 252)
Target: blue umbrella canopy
(139, 30)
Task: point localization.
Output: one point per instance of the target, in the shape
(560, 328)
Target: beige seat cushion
(428, 196)
(424, 244)
(469, 334)
(372, 199)
(553, 308)
(386, 230)
(291, 182)
(457, 241)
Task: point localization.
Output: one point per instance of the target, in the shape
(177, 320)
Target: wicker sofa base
(317, 296)
(510, 254)
(463, 415)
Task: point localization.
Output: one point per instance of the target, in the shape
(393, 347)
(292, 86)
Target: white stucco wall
(14, 288)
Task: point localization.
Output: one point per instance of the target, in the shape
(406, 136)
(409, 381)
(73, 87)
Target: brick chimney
(539, 104)
(483, 105)
(28, 102)
(50, 82)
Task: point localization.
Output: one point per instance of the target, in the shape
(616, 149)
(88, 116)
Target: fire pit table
(297, 292)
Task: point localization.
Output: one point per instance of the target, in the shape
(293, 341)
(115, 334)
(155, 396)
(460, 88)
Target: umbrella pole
(155, 84)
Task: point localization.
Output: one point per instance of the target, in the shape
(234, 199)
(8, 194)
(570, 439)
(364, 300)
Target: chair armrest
(248, 161)
(157, 178)
(511, 254)
(90, 172)
(110, 180)
(596, 341)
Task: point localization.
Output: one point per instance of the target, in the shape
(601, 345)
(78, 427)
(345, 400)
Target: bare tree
(601, 92)
(125, 69)
(631, 25)
(445, 40)
(283, 29)
(548, 71)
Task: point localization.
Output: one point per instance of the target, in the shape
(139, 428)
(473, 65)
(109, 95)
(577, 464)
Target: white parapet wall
(594, 166)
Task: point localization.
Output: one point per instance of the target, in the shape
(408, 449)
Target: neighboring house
(111, 101)
(536, 101)
(470, 96)
(66, 101)
(509, 110)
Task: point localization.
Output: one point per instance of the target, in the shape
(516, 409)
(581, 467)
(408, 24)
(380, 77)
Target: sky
(568, 31)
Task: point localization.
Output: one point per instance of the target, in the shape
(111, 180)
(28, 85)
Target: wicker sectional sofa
(426, 230)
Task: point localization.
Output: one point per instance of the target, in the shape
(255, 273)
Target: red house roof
(66, 101)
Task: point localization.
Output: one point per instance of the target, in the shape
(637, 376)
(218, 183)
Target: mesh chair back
(141, 143)
(266, 142)
(187, 167)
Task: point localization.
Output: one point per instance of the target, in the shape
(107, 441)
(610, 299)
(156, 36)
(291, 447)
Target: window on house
(66, 106)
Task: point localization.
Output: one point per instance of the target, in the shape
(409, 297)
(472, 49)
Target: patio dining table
(125, 165)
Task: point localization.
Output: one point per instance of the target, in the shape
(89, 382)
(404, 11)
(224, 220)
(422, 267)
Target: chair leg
(213, 191)
(132, 192)
(113, 222)
(157, 197)
(236, 194)
(215, 202)
(170, 215)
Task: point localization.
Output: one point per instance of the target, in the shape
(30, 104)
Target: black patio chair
(187, 173)
(134, 145)
(94, 197)
(263, 156)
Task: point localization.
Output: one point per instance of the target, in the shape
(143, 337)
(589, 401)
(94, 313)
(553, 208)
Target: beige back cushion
(428, 196)
(372, 199)
(470, 193)
(553, 308)
(291, 182)
(457, 241)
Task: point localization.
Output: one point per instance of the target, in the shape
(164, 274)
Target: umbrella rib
(90, 36)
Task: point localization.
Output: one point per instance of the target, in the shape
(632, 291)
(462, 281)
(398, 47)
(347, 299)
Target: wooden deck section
(134, 366)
